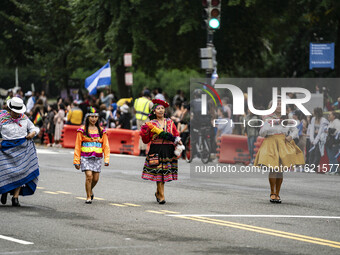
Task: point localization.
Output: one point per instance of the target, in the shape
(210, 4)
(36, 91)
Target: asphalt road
(201, 216)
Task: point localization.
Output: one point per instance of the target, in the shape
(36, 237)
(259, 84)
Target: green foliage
(61, 40)
(169, 80)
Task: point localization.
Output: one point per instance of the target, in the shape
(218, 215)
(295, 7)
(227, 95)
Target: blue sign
(321, 55)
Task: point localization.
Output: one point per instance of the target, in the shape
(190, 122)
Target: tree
(162, 34)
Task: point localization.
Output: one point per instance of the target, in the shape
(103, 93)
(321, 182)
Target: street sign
(207, 64)
(207, 52)
(208, 58)
(128, 79)
(128, 59)
(321, 55)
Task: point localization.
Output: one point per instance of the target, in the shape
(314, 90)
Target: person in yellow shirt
(143, 106)
(75, 116)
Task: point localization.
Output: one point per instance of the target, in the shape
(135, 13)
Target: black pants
(315, 156)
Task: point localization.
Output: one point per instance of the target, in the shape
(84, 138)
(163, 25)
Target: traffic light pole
(210, 43)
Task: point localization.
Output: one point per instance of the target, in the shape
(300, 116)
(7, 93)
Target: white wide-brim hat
(16, 104)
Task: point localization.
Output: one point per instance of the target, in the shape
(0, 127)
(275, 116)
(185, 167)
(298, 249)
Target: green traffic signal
(214, 23)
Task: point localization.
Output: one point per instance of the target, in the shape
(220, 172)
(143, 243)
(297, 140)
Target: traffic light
(211, 13)
(205, 13)
(215, 14)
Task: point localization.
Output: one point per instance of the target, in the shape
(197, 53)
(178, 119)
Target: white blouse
(13, 131)
(274, 129)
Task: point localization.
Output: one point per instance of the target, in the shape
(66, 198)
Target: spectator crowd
(318, 133)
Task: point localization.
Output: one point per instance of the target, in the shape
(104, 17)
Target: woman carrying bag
(161, 162)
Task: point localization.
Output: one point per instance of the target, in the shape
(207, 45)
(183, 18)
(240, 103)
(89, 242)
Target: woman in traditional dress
(161, 162)
(91, 144)
(278, 150)
(19, 169)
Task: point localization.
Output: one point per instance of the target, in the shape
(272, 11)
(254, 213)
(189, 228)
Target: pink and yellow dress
(167, 169)
(88, 151)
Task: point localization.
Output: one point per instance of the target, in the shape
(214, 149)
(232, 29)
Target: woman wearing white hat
(19, 163)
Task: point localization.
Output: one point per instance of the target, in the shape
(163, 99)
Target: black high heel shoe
(4, 198)
(15, 201)
(162, 202)
(156, 197)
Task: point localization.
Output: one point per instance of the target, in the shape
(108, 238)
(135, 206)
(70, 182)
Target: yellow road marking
(267, 231)
(277, 231)
(40, 188)
(130, 204)
(118, 205)
(64, 192)
(81, 198)
(169, 211)
(151, 211)
(98, 198)
(51, 192)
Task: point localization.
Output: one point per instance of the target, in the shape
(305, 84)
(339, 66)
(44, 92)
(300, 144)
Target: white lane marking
(255, 216)
(14, 240)
(77, 249)
(42, 151)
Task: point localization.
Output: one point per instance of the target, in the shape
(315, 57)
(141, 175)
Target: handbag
(154, 159)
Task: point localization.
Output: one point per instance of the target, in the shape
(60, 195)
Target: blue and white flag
(99, 79)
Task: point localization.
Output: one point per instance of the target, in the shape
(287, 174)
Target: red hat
(160, 102)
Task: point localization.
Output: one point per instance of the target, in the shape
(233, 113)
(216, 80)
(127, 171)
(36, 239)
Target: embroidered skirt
(276, 151)
(168, 167)
(92, 164)
(18, 166)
